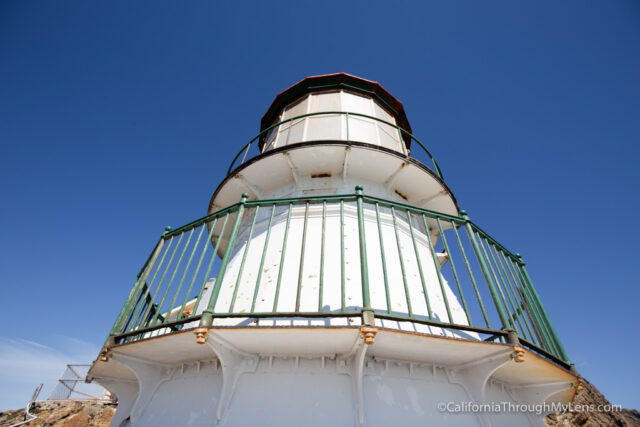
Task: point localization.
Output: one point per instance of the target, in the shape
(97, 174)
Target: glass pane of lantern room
(329, 101)
(362, 130)
(324, 128)
(296, 131)
(356, 103)
(388, 137)
(382, 114)
(296, 109)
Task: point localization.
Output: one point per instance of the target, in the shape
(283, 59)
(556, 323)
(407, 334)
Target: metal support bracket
(150, 376)
(234, 363)
(473, 377)
(352, 364)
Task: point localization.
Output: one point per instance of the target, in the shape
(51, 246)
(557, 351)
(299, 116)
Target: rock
(79, 419)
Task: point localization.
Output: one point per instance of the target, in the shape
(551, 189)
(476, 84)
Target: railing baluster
(524, 306)
(402, 269)
(485, 270)
(518, 310)
(207, 315)
(515, 319)
(302, 250)
(213, 258)
(195, 274)
(561, 351)
(322, 240)
(480, 241)
(432, 247)
(419, 263)
(244, 258)
(282, 256)
(137, 289)
(471, 276)
(342, 266)
(264, 254)
(184, 274)
(539, 326)
(367, 313)
(453, 268)
(159, 285)
(384, 261)
(153, 321)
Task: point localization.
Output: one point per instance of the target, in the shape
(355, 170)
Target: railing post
(547, 321)
(367, 312)
(207, 315)
(485, 271)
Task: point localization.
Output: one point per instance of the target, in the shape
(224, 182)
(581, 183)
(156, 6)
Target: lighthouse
(334, 281)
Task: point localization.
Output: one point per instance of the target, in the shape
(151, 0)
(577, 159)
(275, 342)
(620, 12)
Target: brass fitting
(201, 335)
(518, 354)
(186, 313)
(369, 334)
(103, 355)
(579, 386)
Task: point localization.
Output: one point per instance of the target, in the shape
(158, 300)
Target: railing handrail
(245, 148)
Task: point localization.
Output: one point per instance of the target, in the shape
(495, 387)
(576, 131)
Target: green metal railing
(481, 288)
(402, 133)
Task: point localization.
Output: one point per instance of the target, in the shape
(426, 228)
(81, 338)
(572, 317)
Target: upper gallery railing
(244, 151)
(180, 284)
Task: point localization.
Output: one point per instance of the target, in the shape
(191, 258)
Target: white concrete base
(322, 376)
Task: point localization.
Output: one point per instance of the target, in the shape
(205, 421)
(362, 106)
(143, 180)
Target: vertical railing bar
(384, 260)
(244, 258)
(213, 258)
(402, 269)
(245, 153)
(195, 274)
(404, 150)
(495, 278)
(184, 274)
(302, 251)
(453, 269)
(419, 263)
(173, 275)
(367, 313)
(206, 320)
(515, 319)
(539, 327)
(471, 276)
(526, 304)
(139, 307)
(555, 339)
(347, 127)
(342, 266)
(264, 254)
(485, 271)
(526, 318)
(553, 344)
(510, 290)
(432, 248)
(282, 256)
(138, 289)
(322, 240)
(159, 285)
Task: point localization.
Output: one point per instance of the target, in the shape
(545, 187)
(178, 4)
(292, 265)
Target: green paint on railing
(514, 298)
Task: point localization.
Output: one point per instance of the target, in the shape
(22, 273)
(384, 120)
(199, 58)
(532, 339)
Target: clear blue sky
(118, 118)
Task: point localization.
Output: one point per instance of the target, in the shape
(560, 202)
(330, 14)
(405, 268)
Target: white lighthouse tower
(334, 282)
